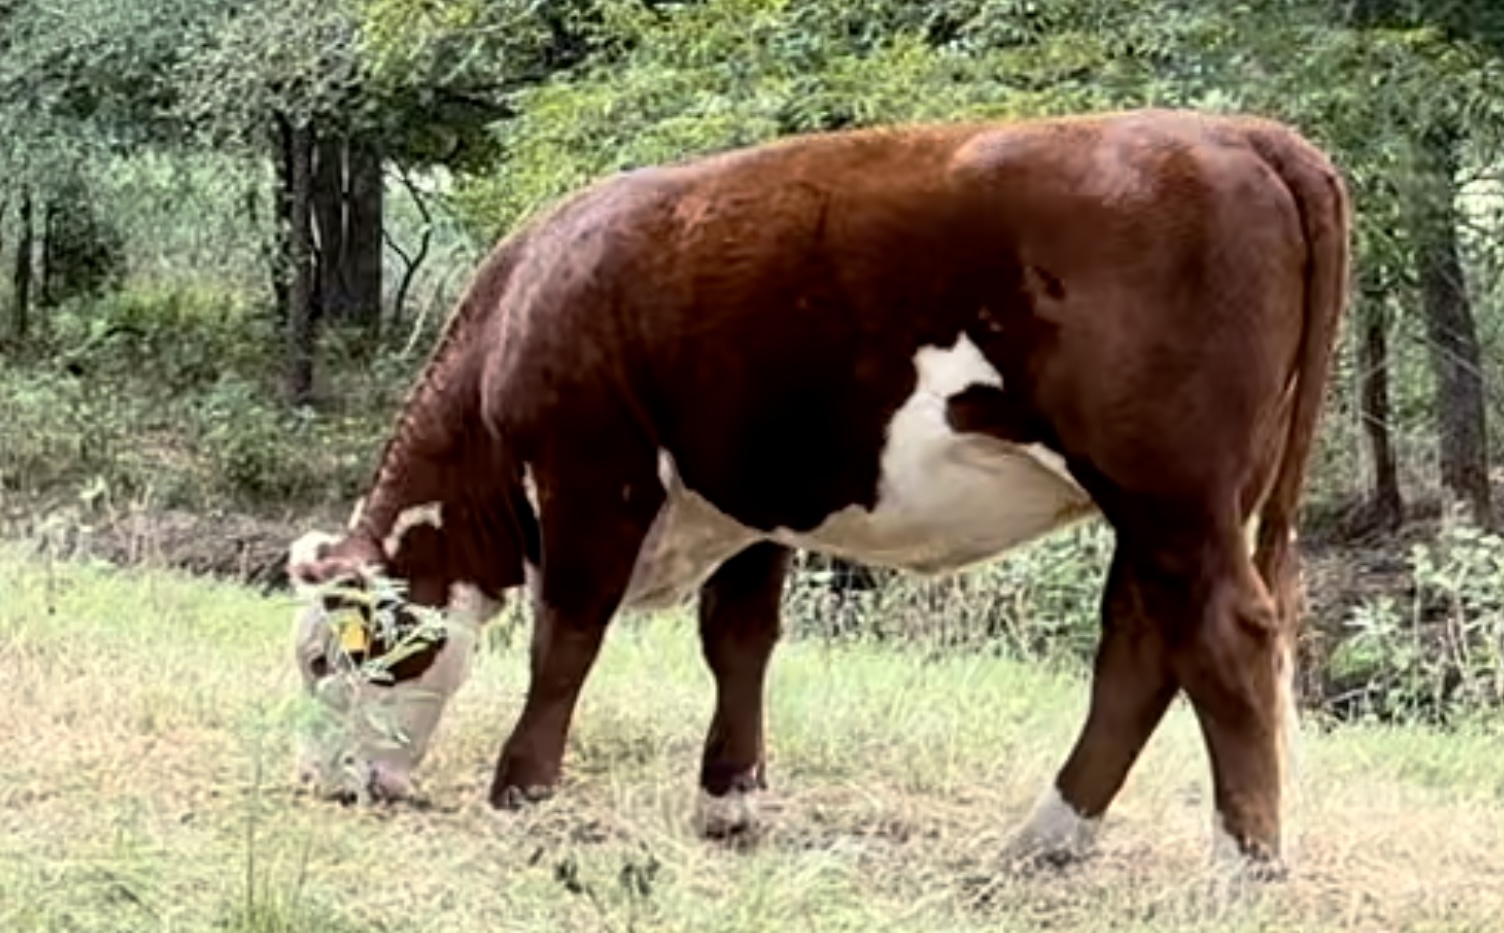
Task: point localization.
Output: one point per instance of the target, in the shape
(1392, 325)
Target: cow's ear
(314, 563)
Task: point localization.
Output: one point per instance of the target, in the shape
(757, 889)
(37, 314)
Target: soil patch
(244, 548)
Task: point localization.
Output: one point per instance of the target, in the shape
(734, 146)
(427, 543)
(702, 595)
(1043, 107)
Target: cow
(913, 347)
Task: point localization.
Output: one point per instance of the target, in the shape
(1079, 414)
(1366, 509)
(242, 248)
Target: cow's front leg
(565, 648)
(590, 545)
(739, 625)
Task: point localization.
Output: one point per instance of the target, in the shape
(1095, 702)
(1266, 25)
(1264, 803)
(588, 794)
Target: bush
(1439, 655)
(1040, 604)
(85, 251)
(171, 396)
(178, 338)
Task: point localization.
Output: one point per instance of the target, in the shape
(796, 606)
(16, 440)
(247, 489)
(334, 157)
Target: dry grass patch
(145, 784)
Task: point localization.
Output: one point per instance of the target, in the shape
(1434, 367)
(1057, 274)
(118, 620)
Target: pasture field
(146, 765)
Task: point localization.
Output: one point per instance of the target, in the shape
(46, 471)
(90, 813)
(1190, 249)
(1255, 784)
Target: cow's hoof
(1025, 856)
(1264, 870)
(512, 797)
(1247, 863)
(731, 816)
(1056, 836)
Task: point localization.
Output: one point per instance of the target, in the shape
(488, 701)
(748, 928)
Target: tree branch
(410, 264)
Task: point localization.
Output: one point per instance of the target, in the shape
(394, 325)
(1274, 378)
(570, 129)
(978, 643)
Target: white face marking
(1054, 830)
(305, 548)
(429, 513)
(409, 709)
(946, 500)
(305, 551)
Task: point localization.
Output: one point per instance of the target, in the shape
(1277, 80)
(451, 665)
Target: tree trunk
(282, 145)
(21, 279)
(363, 216)
(1385, 507)
(48, 297)
(1451, 331)
(300, 324)
(347, 213)
(331, 300)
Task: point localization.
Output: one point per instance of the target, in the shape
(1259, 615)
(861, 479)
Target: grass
(146, 763)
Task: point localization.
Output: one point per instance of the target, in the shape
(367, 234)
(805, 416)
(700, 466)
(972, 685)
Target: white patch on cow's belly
(688, 540)
(975, 499)
(946, 500)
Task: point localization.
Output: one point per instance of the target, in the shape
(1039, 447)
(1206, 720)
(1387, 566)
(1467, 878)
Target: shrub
(171, 396)
(1438, 655)
(1040, 603)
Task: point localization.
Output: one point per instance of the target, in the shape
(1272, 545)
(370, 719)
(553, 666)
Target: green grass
(146, 784)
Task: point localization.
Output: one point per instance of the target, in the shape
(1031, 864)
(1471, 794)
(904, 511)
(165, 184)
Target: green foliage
(85, 252)
(439, 74)
(251, 62)
(1441, 656)
(53, 429)
(703, 77)
(163, 396)
(185, 336)
(1039, 605)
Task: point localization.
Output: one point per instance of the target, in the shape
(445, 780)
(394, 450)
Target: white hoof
(731, 814)
(1231, 861)
(1055, 834)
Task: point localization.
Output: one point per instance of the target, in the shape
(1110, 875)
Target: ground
(145, 784)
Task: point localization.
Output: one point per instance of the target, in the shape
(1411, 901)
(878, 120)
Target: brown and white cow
(915, 347)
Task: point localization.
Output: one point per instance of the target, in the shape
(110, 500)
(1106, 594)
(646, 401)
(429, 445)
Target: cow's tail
(1323, 202)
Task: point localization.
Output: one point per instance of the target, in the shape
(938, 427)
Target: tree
(417, 84)
(1437, 128)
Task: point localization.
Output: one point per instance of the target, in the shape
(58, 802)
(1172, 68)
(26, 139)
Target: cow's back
(757, 314)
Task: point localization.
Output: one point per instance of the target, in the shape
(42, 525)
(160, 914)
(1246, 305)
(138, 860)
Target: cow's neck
(425, 477)
(442, 469)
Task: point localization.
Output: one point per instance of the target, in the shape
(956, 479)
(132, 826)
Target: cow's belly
(688, 540)
(975, 499)
(945, 499)
(967, 499)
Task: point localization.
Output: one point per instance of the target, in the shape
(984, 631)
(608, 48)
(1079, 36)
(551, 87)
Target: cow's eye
(318, 665)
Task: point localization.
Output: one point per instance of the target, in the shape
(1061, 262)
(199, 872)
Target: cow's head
(382, 641)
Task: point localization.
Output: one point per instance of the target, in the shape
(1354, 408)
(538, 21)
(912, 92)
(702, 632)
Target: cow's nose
(389, 782)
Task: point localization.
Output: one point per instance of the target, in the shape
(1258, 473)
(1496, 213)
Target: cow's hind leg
(1132, 686)
(1202, 620)
(1235, 667)
(739, 626)
(590, 544)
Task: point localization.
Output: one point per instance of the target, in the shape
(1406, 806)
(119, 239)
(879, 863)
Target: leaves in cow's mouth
(373, 628)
